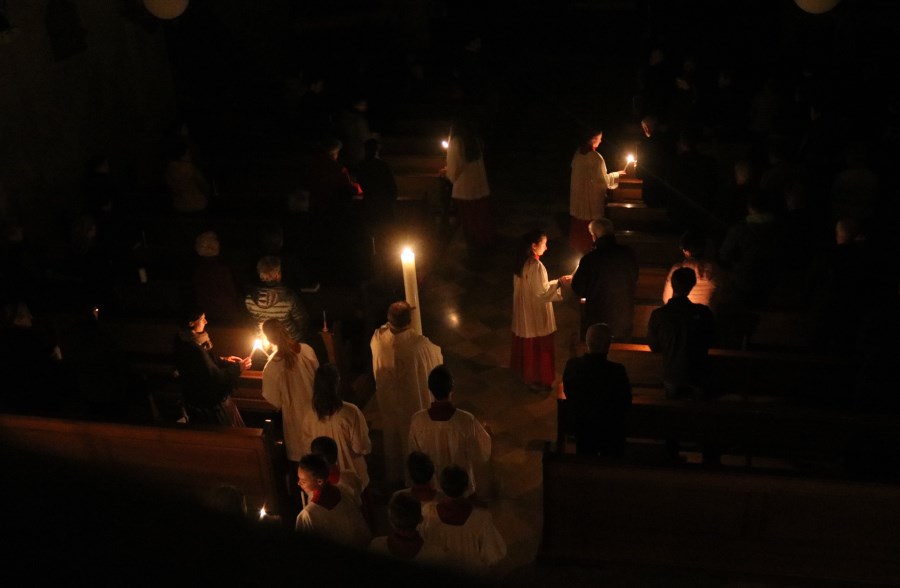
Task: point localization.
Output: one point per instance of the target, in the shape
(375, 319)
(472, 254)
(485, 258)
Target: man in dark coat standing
(598, 396)
(606, 278)
(683, 332)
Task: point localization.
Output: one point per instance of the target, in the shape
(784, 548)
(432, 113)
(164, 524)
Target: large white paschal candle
(411, 286)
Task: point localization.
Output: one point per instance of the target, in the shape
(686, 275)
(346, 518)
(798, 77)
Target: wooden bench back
(598, 512)
(816, 378)
(187, 461)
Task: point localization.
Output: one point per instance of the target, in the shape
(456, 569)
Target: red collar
(441, 410)
(423, 492)
(454, 511)
(334, 475)
(327, 497)
(405, 544)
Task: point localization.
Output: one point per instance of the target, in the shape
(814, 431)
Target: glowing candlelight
(324, 322)
(445, 144)
(262, 512)
(257, 344)
(629, 159)
(411, 285)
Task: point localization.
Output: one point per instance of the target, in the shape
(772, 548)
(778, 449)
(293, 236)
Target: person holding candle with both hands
(587, 190)
(207, 380)
(533, 321)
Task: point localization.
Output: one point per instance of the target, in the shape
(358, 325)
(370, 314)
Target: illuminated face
(199, 325)
(307, 482)
(540, 248)
(596, 140)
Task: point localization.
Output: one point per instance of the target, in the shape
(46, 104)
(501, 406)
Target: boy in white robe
(330, 511)
(467, 532)
(449, 435)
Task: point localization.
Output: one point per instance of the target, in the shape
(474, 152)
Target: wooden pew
(652, 248)
(801, 377)
(600, 512)
(407, 163)
(148, 345)
(182, 460)
(759, 329)
(637, 216)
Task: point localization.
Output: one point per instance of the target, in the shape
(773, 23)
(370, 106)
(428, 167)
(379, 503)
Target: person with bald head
(401, 361)
(606, 277)
(598, 396)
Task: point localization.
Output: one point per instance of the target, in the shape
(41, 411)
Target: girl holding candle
(465, 170)
(287, 384)
(533, 321)
(587, 190)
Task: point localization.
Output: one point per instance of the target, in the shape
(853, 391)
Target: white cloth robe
(461, 440)
(533, 296)
(343, 524)
(469, 178)
(401, 363)
(291, 392)
(588, 185)
(475, 546)
(430, 554)
(349, 430)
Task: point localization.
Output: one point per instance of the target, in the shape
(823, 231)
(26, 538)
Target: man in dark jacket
(598, 396)
(606, 278)
(683, 332)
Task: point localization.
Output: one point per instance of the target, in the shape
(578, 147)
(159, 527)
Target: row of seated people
(754, 269)
(683, 332)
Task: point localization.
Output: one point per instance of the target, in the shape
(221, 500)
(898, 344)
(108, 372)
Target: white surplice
(533, 295)
(291, 392)
(461, 440)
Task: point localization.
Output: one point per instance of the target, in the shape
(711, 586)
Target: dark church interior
(155, 153)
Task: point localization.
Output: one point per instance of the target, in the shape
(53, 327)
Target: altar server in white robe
(401, 362)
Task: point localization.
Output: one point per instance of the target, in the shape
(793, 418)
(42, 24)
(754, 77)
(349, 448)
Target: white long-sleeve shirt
(461, 440)
(475, 546)
(469, 178)
(588, 185)
(349, 430)
(291, 392)
(533, 295)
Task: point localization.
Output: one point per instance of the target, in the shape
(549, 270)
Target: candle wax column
(411, 287)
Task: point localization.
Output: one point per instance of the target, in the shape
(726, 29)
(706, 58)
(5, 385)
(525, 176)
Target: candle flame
(629, 158)
(445, 144)
(407, 255)
(262, 512)
(257, 344)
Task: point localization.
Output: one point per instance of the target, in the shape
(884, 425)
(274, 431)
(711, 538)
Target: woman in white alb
(465, 170)
(533, 322)
(287, 384)
(587, 190)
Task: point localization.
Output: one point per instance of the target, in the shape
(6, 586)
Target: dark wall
(77, 79)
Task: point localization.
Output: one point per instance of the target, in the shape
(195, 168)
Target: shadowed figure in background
(683, 333)
(597, 397)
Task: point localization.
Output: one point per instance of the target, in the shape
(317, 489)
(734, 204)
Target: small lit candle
(257, 344)
(629, 160)
(262, 512)
(445, 144)
(324, 322)
(411, 286)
